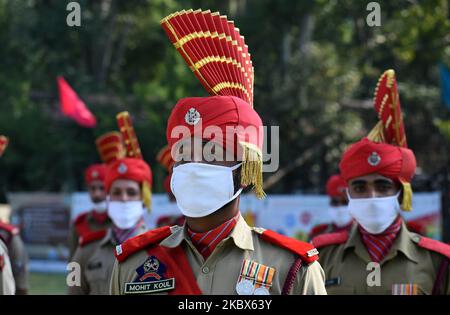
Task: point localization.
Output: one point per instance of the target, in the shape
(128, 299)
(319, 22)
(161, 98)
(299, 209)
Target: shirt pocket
(98, 280)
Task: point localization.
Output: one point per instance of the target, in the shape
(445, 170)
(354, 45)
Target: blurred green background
(47, 283)
(316, 67)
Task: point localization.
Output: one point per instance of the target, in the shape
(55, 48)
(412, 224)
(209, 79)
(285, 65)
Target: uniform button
(205, 269)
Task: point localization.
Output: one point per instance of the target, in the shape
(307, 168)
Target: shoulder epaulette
(80, 218)
(91, 237)
(134, 244)
(330, 239)
(307, 252)
(318, 229)
(435, 246)
(82, 225)
(12, 229)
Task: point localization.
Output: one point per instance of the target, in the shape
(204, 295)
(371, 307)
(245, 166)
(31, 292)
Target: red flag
(72, 106)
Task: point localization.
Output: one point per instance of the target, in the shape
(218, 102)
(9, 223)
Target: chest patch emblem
(150, 278)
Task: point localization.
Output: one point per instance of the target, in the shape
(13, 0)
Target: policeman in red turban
(216, 143)
(378, 170)
(128, 182)
(338, 211)
(96, 218)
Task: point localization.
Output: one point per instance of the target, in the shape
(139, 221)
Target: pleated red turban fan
(384, 151)
(110, 147)
(217, 54)
(126, 162)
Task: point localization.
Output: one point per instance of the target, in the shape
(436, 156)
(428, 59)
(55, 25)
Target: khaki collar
(405, 243)
(241, 235)
(354, 241)
(110, 239)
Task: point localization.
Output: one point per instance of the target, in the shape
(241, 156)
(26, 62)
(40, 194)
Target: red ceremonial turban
(385, 149)
(336, 186)
(128, 168)
(366, 157)
(95, 172)
(225, 70)
(237, 120)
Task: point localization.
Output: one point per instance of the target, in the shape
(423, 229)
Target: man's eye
(132, 193)
(384, 188)
(116, 193)
(359, 189)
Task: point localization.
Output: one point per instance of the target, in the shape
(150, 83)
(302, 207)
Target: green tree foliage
(316, 63)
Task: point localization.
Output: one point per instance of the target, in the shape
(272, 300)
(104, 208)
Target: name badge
(149, 287)
(150, 278)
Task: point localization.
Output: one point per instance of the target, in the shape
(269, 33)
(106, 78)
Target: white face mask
(201, 189)
(100, 207)
(340, 216)
(125, 214)
(374, 214)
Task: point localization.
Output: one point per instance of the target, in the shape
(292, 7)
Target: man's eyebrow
(358, 182)
(384, 181)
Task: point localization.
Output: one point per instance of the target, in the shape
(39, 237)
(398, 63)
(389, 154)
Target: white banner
(292, 215)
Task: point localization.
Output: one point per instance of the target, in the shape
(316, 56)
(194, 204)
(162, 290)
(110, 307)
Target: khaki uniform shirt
(220, 272)
(96, 260)
(7, 285)
(93, 226)
(347, 270)
(19, 263)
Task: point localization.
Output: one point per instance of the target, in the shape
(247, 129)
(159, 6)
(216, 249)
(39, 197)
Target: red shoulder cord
(292, 274)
